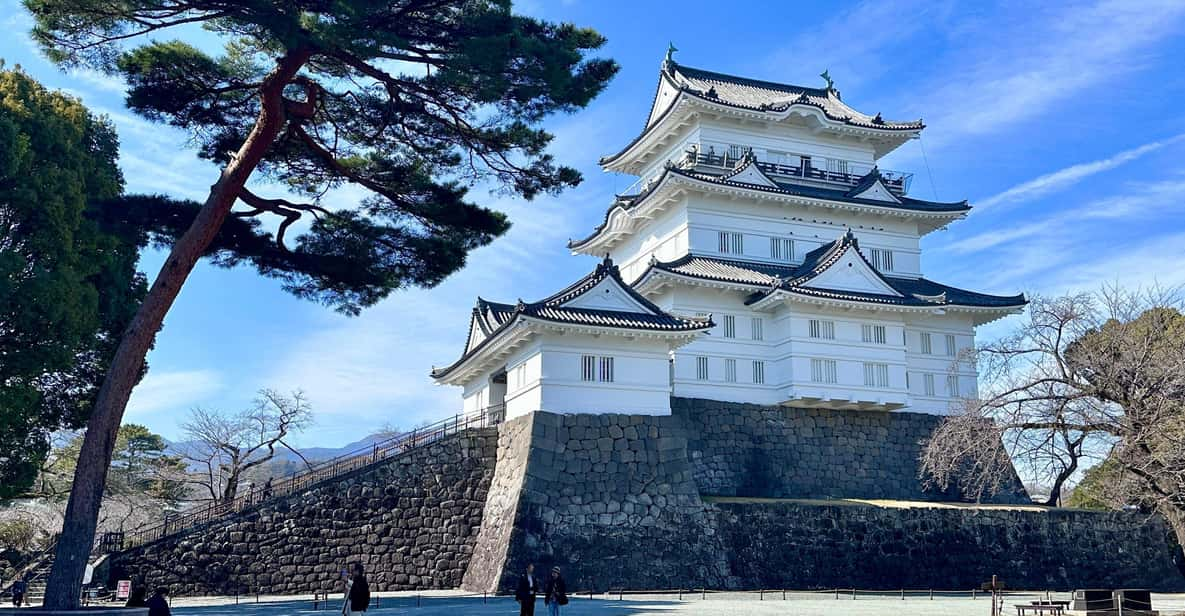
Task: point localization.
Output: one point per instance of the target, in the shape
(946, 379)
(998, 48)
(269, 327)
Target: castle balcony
(798, 168)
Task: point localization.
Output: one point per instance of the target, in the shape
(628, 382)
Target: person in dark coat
(528, 587)
(158, 605)
(136, 597)
(555, 592)
(359, 598)
(18, 593)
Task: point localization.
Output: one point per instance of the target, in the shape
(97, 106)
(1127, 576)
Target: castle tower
(785, 261)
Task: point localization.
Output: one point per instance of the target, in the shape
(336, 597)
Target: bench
(1040, 608)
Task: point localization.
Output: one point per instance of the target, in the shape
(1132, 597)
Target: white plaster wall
(664, 237)
(524, 388)
(708, 215)
(787, 349)
(641, 370)
(782, 137)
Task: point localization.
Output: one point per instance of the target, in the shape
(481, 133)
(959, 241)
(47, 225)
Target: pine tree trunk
(82, 512)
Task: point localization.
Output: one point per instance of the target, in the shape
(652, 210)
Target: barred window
(593, 368)
(732, 243)
(701, 368)
(873, 333)
(952, 386)
(950, 345)
(730, 326)
(822, 329)
(759, 372)
(876, 375)
(927, 346)
(781, 249)
(730, 370)
(757, 327)
(823, 370)
(881, 259)
(606, 370)
(928, 381)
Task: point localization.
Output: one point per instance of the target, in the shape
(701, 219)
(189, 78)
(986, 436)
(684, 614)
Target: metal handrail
(896, 181)
(316, 473)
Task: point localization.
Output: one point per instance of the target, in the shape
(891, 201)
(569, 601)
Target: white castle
(762, 257)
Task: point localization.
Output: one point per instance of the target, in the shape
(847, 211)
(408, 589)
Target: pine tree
(411, 100)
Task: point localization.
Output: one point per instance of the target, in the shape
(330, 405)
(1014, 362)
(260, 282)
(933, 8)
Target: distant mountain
(288, 460)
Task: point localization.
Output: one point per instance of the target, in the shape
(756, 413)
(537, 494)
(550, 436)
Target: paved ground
(741, 604)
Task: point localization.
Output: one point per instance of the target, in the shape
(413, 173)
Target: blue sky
(1060, 124)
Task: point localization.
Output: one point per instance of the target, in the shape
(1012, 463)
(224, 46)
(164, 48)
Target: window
(588, 367)
(781, 249)
(606, 369)
(701, 368)
(520, 375)
(873, 333)
(927, 347)
(876, 375)
(822, 329)
(928, 383)
(950, 345)
(759, 372)
(730, 370)
(593, 368)
(736, 151)
(732, 243)
(881, 259)
(757, 327)
(836, 165)
(730, 326)
(952, 386)
(823, 370)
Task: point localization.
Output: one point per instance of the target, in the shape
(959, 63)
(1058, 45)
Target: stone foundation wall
(784, 452)
(615, 501)
(645, 502)
(788, 545)
(411, 520)
(611, 498)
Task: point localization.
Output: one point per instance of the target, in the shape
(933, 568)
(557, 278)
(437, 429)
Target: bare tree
(227, 447)
(1088, 376)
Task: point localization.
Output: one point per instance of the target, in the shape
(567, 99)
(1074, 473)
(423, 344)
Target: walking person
(555, 592)
(526, 591)
(358, 595)
(158, 605)
(18, 592)
(267, 489)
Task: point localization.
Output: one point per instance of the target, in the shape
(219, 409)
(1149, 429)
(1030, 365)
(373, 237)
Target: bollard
(931, 594)
(973, 590)
(903, 594)
(680, 593)
(783, 594)
(417, 601)
(837, 594)
(761, 596)
(620, 594)
(853, 594)
(483, 596)
(705, 591)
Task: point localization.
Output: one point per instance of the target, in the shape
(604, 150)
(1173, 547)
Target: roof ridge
(749, 81)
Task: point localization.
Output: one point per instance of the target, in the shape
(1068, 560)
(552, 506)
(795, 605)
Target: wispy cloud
(172, 392)
(1017, 69)
(1064, 178)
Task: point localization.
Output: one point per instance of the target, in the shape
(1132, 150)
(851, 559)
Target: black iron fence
(313, 474)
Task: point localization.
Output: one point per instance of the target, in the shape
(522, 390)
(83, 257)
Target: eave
(622, 220)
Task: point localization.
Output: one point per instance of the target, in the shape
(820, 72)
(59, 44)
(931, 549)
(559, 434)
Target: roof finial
(671, 49)
(826, 75)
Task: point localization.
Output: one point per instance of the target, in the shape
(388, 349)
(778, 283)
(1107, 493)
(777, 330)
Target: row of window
(730, 370)
(782, 249)
(877, 334)
(877, 375)
(595, 368)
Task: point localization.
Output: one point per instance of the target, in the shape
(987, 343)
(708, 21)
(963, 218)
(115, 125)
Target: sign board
(123, 588)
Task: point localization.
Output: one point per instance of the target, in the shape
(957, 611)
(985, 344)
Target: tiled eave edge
(686, 103)
(522, 328)
(652, 281)
(620, 220)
